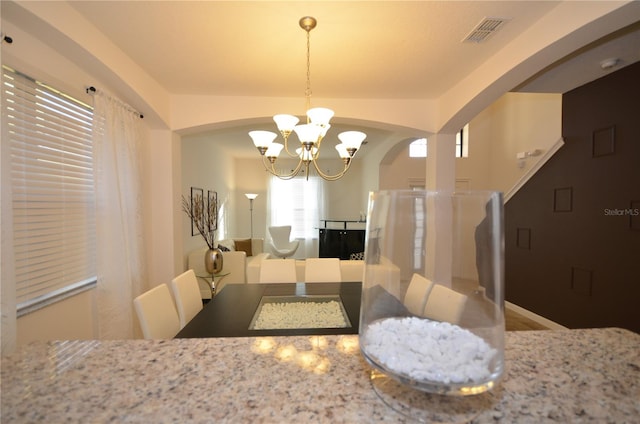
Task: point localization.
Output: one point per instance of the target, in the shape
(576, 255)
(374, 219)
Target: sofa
(236, 257)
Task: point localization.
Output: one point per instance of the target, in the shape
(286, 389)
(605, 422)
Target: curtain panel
(119, 137)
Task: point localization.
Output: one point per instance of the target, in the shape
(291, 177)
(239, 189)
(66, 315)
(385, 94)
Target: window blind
(53, 198)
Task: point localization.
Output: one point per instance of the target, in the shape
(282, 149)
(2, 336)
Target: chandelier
(310, 134)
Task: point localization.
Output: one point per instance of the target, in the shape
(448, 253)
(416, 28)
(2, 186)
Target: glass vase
(432, 314)
(213, 261)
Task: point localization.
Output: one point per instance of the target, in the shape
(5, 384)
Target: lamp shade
(251, 196)
(352, 139)
(308, 133)
(324, 130)
(262, 138)
(342, 151)
(320, 115)
(273, 150)
(285, 122)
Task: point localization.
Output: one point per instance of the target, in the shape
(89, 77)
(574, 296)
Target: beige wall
(517, 122)
(206, 166)
(403, 171)
(344, 194)
(69, 319)
(163, 219)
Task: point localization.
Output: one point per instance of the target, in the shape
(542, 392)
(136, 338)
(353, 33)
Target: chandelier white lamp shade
(352, 140)
(262, 140)
(310, 134)
(286, 124)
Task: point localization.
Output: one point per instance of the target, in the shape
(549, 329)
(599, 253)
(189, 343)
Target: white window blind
(53, 198)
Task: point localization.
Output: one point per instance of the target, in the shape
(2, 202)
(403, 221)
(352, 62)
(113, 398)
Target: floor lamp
(251, 196)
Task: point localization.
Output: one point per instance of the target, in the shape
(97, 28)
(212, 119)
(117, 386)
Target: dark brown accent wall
(572, 233)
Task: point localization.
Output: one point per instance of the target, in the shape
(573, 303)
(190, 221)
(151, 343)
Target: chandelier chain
(307, 92)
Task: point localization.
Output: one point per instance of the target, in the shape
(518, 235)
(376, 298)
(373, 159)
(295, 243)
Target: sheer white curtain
(300, 203)
(8, 336)
(119, 138)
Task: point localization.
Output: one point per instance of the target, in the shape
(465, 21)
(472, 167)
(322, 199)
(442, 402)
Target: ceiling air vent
(485, 29)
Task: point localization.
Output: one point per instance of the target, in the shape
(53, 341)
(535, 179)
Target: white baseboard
(534, 317)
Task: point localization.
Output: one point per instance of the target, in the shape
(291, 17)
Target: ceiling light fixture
(309, 134)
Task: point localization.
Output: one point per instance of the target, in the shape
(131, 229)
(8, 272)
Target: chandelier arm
(270, 168)
(327, 177)
(317, 146)
(286, 148)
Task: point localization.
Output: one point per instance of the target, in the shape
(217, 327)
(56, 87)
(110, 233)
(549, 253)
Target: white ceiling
(360, 49)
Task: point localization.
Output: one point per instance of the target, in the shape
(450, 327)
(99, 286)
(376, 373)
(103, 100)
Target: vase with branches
(205, 218)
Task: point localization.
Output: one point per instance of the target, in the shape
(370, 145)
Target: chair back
(417, 294)
(157, 313)
(280, 244)
(280, 235)
(278, 271)
(322, 270)
(186, 292)
(444, 304)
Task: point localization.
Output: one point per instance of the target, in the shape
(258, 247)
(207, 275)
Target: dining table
(231, 311)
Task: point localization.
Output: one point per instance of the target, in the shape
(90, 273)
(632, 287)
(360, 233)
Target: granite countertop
(561, 376)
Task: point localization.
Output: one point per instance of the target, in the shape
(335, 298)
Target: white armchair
(280, 244)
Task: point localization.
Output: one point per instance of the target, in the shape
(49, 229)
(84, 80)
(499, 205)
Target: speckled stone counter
(551, 376)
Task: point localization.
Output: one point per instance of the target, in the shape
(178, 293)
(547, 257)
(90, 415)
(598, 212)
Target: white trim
(533, 316)
(416, 183)
(39, 302)
(531, 172)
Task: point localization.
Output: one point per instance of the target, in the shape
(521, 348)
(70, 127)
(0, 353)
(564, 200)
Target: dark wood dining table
(230, 312)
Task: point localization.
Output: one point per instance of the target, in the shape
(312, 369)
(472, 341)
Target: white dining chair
(157, 313)
(186, 292)
(322, 270)
(444, 304)
(278, 271)
(417, 293)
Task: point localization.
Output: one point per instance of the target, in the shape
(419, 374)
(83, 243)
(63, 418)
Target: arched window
(418, 148)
